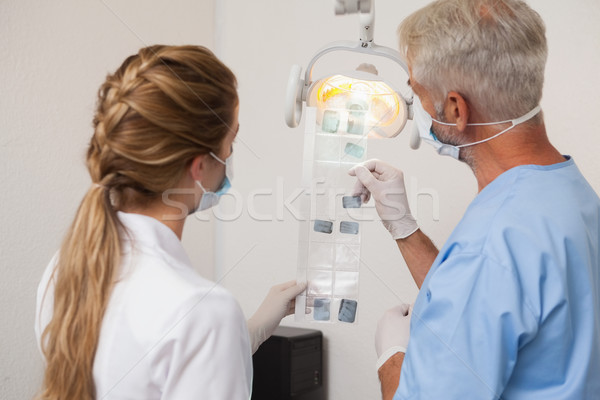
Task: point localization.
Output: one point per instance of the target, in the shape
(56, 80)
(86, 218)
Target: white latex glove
(386, 184)
(279, 302)
(393, 333)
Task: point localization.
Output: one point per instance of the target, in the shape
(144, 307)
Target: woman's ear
(457, 110)
(197, 167)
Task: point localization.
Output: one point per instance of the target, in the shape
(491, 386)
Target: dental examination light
(359, 101)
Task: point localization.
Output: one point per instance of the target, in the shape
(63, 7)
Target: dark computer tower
(289, 366)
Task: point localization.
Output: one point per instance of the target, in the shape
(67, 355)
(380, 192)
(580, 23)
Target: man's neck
(526, 146)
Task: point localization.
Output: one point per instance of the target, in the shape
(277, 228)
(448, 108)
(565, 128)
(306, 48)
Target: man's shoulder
(531, 206)
(530, 192)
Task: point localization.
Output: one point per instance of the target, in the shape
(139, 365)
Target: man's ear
(456, 110)
(197, 167)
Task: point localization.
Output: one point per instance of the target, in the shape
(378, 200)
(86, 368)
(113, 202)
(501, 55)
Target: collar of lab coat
(154, 235)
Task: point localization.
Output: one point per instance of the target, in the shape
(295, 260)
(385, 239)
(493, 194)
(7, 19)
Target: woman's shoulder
(149, 275)
(162, 285)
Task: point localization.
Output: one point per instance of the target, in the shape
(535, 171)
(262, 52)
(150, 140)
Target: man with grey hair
(510, 306)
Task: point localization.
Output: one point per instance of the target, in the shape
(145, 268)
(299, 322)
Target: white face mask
(210, 199)
(424, 121)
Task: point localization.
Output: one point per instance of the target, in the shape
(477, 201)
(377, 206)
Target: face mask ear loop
(217, 158)
(488, 139)
(201, 187)
(527, 116)
(514, 123)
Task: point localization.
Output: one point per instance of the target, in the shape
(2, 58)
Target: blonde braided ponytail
(159, 110)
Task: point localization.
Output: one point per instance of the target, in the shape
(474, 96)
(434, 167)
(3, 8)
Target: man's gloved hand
(386, 184)
(393, 333)
(279, 302)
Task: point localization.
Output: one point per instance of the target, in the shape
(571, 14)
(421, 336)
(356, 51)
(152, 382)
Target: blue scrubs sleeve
(468, 323)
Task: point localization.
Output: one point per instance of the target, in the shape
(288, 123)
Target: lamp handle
(356, 47)
(293, 97)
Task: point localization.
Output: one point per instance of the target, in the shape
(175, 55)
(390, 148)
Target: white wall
(256, 254)
(54, 56)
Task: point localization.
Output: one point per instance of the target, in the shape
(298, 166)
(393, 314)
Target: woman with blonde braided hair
(122, 314)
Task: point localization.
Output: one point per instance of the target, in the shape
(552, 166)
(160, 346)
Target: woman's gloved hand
(279, 302)
(386, 184)
(393, 333)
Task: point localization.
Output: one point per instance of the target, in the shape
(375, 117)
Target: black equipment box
(289, 366)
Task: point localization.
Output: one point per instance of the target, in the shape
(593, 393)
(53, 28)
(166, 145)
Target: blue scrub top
(511, 306)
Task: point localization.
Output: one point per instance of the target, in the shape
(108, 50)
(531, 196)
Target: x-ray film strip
(330, 227)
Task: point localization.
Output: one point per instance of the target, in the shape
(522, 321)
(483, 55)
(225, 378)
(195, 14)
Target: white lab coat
(167, 333)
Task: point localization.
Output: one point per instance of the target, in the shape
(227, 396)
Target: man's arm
(419, 252)
(386, 185)
(389, 376)
(391, 340)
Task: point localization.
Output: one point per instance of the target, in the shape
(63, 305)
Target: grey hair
(493, 52)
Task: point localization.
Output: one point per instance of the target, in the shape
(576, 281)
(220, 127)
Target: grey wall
(54, 56)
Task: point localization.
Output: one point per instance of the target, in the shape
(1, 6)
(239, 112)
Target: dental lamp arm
(367, 27)
(352, 6)
(366, 8)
